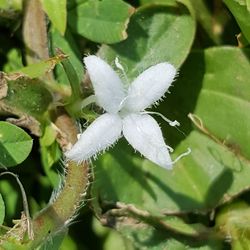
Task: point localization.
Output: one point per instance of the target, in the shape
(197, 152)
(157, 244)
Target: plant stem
(57, 215)
(60, 212)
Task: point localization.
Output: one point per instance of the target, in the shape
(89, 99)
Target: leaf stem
(25, 204)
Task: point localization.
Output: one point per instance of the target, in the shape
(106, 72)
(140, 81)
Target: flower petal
(145, 135)
(101, 134)
(149, 87)
(107, 84)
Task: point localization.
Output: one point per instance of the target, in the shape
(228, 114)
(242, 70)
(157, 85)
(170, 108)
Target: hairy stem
(56, 216)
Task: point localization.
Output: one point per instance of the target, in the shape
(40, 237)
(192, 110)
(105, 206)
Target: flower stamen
(171, 123)
(182, 155)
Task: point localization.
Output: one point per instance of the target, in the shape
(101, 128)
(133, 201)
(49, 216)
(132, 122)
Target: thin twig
(25, 204)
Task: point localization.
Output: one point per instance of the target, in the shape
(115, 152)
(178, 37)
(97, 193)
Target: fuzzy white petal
(149, 86)
(101, 134)
(145, 135)
(107, 84)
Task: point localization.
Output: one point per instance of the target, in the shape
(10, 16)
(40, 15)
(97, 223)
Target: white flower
(125, 112)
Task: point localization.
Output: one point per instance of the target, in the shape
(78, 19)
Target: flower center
(124, 112)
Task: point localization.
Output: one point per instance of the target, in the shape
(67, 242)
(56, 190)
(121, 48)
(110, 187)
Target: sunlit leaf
(153, 37)
(93, 20)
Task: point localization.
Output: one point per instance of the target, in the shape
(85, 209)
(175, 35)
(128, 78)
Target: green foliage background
(203, 203)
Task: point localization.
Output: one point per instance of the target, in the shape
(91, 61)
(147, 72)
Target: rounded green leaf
(15, 145)
(156, 33)
(93, 20)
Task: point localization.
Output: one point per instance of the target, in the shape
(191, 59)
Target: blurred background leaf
(57, 13)
(241, 12)
(2, 210)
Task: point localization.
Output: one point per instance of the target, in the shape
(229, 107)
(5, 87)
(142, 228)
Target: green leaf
(11, 197)
(114, 241)
(29, 96)
(155, 1)
(14, 61)
(241, 14)
(12, 244)
(93, 20)
(190, 186)
(68, 45)
(218, 167)
(11, 4)
(73, 3)
(69, 243)
(2, 210)
(144, 236)
(15, 145)
(73, 79)
(153, 37)
(50, 156)
(244, 3)
(224, 100)
(39, 69)
(49, 136)
(57, 12)
(205, 18)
